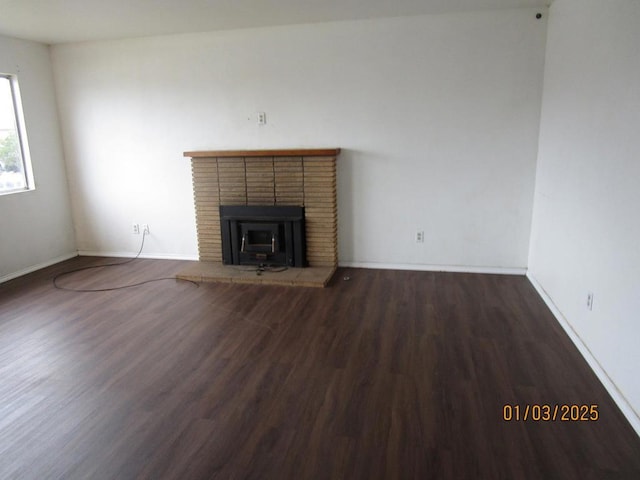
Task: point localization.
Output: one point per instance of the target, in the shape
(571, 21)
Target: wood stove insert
(263, 235)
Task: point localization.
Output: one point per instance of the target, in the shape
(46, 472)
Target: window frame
(21, 133)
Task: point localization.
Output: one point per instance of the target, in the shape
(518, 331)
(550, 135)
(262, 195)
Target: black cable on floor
(116, 264)
(262, 268)
(272, 269)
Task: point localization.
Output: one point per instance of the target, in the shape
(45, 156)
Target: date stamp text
(550, 413)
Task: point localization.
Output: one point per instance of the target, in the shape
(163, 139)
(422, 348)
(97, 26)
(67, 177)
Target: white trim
(437, 268)
(33, 268)
(156, 256)
(609, 385)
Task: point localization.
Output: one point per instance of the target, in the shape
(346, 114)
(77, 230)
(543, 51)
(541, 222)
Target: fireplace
(301, 178)
(263, 235)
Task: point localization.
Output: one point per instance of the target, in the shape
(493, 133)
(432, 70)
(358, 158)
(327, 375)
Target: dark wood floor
(395, 375)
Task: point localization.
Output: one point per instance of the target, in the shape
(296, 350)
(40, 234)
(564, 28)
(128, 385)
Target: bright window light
(15, 169)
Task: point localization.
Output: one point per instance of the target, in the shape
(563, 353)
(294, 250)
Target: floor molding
(617, 396)
(436, 268)
(33, 268)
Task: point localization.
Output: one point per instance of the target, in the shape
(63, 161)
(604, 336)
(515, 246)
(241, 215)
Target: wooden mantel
(300, 152)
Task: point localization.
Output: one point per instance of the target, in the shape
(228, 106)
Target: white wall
(35, 226)
(586, 228)
(438, 117)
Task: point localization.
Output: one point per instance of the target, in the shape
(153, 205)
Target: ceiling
(60, 21)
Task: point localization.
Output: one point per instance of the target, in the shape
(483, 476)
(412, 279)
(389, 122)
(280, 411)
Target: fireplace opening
(263, 235)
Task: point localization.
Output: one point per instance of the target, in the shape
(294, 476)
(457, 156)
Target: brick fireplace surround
(302, 177)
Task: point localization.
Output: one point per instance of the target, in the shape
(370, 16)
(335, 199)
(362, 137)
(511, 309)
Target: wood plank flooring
(389, 375)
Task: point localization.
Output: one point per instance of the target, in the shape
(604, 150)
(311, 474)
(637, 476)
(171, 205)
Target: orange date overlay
(550, 413)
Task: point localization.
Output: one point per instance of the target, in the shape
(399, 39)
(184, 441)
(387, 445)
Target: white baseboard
(33, 268)
(617, 396)
(436, 268)
(157, 256)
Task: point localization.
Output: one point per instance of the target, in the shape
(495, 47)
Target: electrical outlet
(136, 229)
(590, 301)
(262, 118)
(145, 229)
(420, 236)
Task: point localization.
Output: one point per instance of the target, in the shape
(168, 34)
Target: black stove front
(262, 235)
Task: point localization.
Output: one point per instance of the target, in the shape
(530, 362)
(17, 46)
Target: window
(15, 171)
